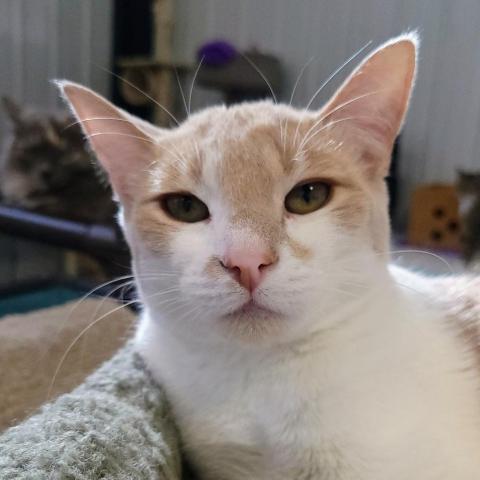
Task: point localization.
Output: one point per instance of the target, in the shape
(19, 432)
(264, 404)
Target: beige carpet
(32, 346)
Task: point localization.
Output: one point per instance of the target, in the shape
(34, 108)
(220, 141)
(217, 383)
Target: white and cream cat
(288, 347)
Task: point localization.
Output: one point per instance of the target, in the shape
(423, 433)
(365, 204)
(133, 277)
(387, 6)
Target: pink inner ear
(374, 100)
(122, 148)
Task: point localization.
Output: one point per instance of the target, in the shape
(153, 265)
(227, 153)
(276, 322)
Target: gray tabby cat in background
(46, 167)
(468, 187)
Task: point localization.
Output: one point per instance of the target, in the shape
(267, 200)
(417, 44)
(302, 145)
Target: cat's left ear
(371, 104)
(123, 144)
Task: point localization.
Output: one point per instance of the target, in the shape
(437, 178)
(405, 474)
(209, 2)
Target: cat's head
(45, 154)
(245, 220)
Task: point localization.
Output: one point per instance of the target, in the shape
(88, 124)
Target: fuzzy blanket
(116, 425)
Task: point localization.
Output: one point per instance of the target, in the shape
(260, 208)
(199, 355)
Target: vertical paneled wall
(41, 40)
(442, 129)
(46, 39)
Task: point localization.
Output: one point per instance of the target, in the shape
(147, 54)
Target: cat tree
(153, 75)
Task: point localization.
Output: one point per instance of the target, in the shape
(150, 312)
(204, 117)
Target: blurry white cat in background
(287, 346)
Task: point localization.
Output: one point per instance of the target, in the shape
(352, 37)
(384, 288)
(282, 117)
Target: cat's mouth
(251, 310)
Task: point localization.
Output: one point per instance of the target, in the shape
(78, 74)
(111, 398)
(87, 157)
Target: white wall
(45, 39)
(442, 130)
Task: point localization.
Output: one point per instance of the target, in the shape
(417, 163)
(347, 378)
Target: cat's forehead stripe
(177, 162)
(246, 174)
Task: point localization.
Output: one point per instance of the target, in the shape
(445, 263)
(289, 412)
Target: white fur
(377, 389)
(359, 378)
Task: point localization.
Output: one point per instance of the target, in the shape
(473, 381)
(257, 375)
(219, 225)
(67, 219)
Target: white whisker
(193, 84)
(79, 122)
(344, 104)
(74, 342)
(336, 72)
(299, 77)
(143, 93)
(180, 157)
(265, 79)
(329, 79)
(336, 109)
(88, 327)
(283, 128)
(181, 92)
(300, 153)
(424, 252)
(137, 137)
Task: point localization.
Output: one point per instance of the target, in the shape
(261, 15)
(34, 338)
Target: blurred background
(57, 232)
(60, 248)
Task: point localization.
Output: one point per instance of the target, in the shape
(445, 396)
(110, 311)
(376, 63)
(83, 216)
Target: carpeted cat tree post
(154, 75)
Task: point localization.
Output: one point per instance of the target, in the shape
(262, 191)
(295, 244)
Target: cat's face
(245, 221)
(233, 160)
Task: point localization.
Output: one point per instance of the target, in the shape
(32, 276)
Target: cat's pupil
(307, 193)
(187, 204)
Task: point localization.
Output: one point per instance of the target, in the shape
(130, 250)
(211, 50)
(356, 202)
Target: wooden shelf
(150, 63)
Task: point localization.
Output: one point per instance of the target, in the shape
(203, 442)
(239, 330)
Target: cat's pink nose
(248, 266)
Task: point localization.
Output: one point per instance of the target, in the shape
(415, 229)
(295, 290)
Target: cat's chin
(251, 311)
(253, 321)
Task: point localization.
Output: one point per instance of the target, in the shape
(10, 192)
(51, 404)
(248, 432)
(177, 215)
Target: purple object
(217, 53)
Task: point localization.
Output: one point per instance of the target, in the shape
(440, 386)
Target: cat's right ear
(372, 103)
(123, 144)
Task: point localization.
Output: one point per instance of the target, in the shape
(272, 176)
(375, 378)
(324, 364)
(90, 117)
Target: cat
(468, 188)
(47, 168)
(287, 345)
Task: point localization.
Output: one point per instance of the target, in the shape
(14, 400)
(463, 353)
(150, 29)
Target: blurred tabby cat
(468, 187)
(47, 168)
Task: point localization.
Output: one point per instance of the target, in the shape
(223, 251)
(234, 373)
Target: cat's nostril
(227, 266)
(234, 270)
(269, 260)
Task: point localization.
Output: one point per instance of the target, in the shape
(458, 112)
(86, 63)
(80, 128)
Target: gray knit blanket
(116, 425)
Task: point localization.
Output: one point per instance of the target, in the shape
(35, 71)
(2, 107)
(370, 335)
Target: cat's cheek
(330, 246)
(309, 238)
(152, 230)
(305, 258)
(191, 248)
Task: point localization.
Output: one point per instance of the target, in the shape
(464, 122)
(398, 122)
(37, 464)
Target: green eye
(307, 197)
(185, 207)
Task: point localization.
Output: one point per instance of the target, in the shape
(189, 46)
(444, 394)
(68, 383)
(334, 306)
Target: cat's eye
(185, 207)
(307, 197)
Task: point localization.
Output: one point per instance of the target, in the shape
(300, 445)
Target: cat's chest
(266, 423)
(288, 424)
(375, 409)
(282, 424)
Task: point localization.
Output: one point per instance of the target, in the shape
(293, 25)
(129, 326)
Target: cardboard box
(434, 217)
